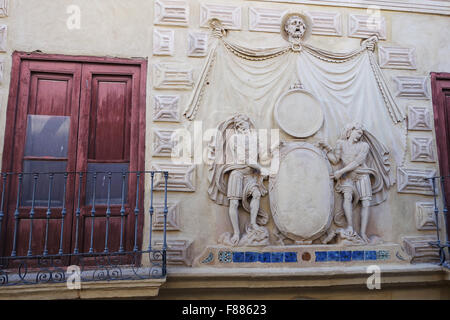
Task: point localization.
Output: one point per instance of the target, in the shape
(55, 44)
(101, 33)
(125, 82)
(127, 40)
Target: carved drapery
(350, 85)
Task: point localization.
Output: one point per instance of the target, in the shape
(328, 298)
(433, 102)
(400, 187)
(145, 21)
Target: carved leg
(254, 207)
(234, 218)
(364, 219)
(348, 210)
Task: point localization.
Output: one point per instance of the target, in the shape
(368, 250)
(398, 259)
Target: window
(68, 115)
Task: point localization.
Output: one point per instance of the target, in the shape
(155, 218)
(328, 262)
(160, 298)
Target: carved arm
(333, 155)
(355, 163)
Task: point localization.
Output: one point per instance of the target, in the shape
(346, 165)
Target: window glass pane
(101, 183)
(43, 183)
(47, 136)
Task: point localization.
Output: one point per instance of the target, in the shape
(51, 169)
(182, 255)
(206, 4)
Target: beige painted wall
(125, 29)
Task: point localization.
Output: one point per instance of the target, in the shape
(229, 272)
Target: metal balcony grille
(40, 204)
(441, 210)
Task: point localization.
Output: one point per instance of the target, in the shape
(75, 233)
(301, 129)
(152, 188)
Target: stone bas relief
(363, 178)
(301, 193)
(296, 27)
(321, 195)
(298, 113)
(305, 173)
(236, 177)
(302, 190)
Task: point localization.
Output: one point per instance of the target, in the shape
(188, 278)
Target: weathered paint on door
(440, 83)
(97, 108)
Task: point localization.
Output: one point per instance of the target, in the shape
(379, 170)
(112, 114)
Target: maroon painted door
(109, 116)
(440, 83)
(44, 140)
(73, 117)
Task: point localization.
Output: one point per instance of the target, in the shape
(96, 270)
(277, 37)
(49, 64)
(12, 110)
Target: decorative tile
(370, 255)
(163, 142)
(364, 26)
(173, 216)
(181, 177)
(412, 87)
(357, 255)
(265, 257)
(171, 12)
(419, 118)
(4, 4)
(225, 256)
(321, 256)
(397, 57)
(3, 36)
(238, 257)
(290, 257)
(173, 76)
(345, 255)
(333, 256)
(383, 255)
(422, 149)
(277, 257)
(209, 258)
(229, 15)
(197, 44)
(178, 251)
(413, 180)
(163, 42)
(420, 249)
(306, 256)
(251, 256)
(425, 216)
(265, 19)
(325, 23)
(166, 108)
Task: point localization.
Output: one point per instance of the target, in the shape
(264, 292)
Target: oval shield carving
(301, 193)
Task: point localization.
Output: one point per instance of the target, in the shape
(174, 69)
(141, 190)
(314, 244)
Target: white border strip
(422, 6)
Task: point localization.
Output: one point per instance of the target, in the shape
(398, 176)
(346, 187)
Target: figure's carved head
(353, 131)
(242, 124)
(295, 27)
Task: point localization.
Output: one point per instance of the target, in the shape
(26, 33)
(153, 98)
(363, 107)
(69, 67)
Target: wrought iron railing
(441, 183)
(57, 225)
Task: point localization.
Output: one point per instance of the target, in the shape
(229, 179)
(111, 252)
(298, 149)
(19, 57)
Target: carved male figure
(355, 149)
(236, 177)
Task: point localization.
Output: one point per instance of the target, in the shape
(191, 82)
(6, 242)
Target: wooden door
(440, 83)
(44, 140)
(72, 115)
(108, 142)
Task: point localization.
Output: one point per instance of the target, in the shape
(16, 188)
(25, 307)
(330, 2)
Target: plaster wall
(125, 29)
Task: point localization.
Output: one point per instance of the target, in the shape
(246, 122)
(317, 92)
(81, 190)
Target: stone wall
(174, 36)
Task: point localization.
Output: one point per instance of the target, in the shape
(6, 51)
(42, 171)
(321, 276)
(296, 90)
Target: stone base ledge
(185, 282)
(89, 290)
(333, 276)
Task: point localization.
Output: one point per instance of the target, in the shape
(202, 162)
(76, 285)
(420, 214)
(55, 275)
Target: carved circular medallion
(301, 193)
(298, 113)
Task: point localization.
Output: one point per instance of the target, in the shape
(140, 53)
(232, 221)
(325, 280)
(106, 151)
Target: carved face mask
(356, 134)
(295, 27)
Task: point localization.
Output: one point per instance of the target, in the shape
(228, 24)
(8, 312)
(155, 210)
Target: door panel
(440, 83)
(110, 127)
(45, 133)
(74, 117)
(109, 114)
